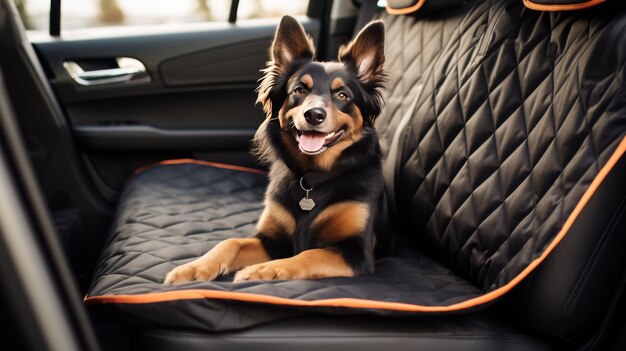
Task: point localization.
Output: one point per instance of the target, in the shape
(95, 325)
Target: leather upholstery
(474, 332)
(571, 294)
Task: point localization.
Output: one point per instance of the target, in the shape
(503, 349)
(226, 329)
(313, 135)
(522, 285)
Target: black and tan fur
(337, 237)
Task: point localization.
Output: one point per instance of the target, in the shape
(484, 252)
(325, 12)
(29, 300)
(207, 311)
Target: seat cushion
(174, 213)
(474, 332)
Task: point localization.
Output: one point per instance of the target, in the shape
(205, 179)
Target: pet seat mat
(175, 212)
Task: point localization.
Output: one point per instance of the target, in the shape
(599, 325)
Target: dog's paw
(197, 270)
(267, 271)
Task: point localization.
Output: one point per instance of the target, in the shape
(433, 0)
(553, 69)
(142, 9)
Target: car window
(249, 9)
(81, 14)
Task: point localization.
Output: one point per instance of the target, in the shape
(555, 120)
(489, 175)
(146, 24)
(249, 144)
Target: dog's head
(322, 107)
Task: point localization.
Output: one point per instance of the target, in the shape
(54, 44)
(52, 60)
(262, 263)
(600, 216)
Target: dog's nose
(315, 115)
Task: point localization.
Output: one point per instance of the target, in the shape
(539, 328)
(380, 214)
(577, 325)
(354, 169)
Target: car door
(134, 95)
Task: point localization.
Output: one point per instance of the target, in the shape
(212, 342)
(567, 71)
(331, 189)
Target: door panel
(198, 100)
(240, 62)
(220, 107)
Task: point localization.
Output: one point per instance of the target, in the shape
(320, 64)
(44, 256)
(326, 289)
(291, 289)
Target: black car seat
(507, 127)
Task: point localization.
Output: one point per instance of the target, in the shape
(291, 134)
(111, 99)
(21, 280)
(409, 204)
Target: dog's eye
(298, 90)
(342, 96)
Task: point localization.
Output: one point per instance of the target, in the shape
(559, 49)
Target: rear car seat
(509, 190)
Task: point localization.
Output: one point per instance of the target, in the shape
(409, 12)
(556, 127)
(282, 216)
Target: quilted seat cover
(520, 116)
(172, 214)
(511, 129)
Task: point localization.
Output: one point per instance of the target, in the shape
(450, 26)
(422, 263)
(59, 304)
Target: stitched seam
(469, 176)
(588, 124)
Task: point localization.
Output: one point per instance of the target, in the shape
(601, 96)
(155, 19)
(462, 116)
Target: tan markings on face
(335, 120)
(336, 84)
(311, 101)
(307, 80)
(341, 220)
(358, 123)
(326, 159)
(276, 220)
(284, 114)
(309, 264)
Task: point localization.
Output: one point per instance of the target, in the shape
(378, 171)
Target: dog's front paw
(196, 270)
(266, 271)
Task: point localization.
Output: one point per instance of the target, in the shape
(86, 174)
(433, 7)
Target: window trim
(232, 14)
(55, 18)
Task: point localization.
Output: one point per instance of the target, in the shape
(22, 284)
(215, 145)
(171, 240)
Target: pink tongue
(311, 142)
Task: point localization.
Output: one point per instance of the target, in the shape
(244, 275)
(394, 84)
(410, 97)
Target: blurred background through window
(79, 14)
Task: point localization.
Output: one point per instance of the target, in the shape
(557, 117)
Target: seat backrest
(514, 147)
(413, 44)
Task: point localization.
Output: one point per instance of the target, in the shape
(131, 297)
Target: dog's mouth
(314, 143)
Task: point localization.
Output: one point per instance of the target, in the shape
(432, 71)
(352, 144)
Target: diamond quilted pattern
(173, 214)
(507, 137)
(411, 47)
(168, 217)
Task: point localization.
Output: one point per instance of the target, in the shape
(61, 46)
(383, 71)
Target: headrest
(405, 7)
(561, 5)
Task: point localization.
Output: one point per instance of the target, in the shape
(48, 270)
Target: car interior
(124, 153)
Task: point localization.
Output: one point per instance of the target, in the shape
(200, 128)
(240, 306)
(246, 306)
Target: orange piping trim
(566, 7)
(406, 10)
(362, 303)
(199, 162)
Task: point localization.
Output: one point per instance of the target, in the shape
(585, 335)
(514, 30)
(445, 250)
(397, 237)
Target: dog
(326, 184)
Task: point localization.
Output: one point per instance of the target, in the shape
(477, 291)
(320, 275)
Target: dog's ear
(290, 44)
(366, 53)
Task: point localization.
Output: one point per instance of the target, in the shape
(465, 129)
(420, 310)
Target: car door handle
(129, 70)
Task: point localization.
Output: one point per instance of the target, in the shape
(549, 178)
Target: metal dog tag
(307, 204)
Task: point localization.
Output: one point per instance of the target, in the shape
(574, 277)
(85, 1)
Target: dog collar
(315, 178)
